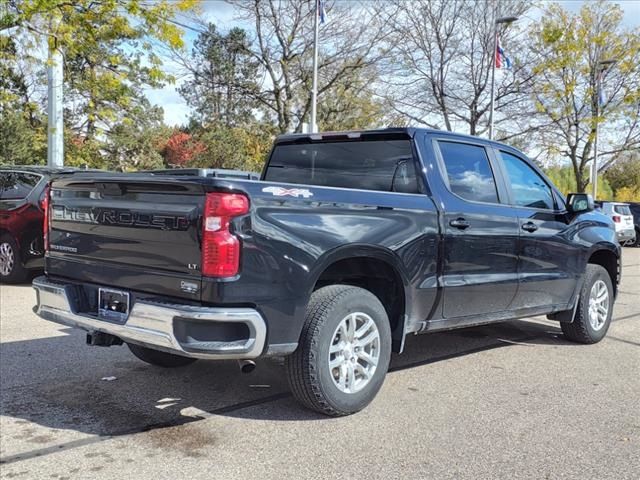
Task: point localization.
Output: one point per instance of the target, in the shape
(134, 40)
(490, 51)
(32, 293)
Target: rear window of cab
(384, 165)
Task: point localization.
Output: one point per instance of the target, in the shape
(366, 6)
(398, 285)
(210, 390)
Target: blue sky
(176, 111)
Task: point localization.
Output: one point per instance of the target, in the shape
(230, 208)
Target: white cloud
(219, 12)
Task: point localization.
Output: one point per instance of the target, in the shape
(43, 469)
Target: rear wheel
(344, 351)
(11, 269)
(158, 358)
(595, 307)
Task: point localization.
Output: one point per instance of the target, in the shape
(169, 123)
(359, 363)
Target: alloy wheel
(598, 305)
(354, 352)
(7, 259)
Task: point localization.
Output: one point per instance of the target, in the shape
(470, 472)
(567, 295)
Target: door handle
(460, 223)
(529, 227)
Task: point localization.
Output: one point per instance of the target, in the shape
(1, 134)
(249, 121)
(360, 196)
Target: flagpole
(493, 77)
(497, 22)
(314, 89)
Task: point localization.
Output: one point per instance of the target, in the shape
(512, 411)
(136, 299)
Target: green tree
(22, 126)
(564, 178)
(105, 86)
(80, 25)
(624, 177)
(222, 77)
(625, 172)
(21, 143)
(110, 57)
(570, 49)
(139, 145)
(82, 152)
(628, 194)
(242, 148)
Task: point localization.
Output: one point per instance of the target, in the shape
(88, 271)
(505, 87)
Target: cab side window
(528, 187)
(469, 171)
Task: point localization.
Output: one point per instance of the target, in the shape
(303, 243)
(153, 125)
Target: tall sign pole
(313, 127)
(55, 130)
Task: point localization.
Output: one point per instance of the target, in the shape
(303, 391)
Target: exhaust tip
(247, 366)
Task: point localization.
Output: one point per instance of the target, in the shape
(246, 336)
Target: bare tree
(350, 41)
(439, 68)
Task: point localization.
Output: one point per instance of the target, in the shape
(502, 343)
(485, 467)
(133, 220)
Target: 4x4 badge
(288, 192)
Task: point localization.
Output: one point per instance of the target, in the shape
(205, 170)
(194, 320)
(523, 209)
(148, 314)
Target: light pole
(314, 88)
(498, 21)
(55, 124)
(601, 67)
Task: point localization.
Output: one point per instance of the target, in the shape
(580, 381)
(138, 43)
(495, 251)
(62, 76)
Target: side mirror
(579, 202)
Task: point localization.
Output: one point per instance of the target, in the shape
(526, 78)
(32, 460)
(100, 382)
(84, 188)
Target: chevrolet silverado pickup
(346, 244)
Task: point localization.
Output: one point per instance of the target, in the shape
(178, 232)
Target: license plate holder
(113, 305)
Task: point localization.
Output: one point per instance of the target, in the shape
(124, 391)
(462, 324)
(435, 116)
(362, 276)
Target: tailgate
(128, 232)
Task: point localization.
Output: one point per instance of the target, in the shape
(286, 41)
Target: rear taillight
(220, 248)
(617, 218)
(46, 222)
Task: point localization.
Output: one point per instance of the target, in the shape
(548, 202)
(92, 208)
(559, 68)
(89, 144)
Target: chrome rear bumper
(152, 324)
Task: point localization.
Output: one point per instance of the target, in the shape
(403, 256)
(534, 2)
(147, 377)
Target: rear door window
(17, 185)
(385, 165)
(469, 172)
(528, 187)
(622, 209)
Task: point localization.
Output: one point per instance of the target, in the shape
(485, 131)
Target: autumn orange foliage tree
(181, 149)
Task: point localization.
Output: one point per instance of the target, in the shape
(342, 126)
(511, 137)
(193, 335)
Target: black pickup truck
(348, 243)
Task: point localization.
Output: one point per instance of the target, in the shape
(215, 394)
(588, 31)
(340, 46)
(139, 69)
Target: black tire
(308, 371)
(637, 242)
(581, 330)
(158, 358)
(16, 272)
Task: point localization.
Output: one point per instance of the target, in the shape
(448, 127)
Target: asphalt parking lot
(512, 400)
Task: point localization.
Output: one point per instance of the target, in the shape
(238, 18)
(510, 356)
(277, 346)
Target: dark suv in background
(21, 216)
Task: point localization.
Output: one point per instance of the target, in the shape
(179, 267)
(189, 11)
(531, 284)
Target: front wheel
(158, 358)
(595, 307)
(344, 351)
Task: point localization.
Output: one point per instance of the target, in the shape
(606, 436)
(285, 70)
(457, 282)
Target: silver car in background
(622, 220)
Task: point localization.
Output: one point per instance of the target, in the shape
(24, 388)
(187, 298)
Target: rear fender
(365, 251)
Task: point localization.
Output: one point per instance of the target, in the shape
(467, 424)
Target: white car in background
(622, 218)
